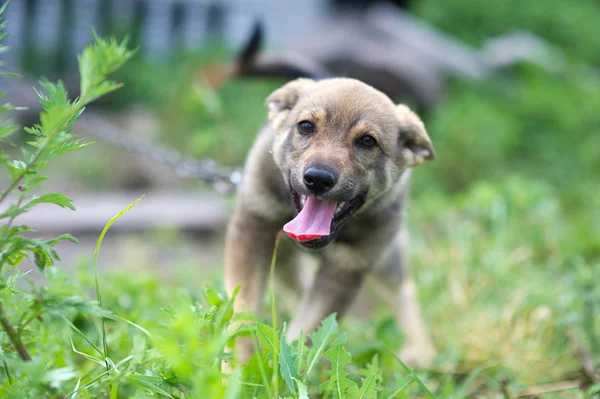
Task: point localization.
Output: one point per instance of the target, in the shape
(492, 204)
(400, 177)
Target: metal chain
(224, 180)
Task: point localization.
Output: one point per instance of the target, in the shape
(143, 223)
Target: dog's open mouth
(318, 218)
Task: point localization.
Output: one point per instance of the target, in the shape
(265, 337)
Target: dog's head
(340, 145)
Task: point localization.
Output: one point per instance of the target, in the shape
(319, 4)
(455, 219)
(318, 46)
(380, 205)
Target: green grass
(499, 297)
(504, 246)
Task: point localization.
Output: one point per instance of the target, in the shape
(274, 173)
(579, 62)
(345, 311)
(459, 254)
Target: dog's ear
(282, 100)
(413, 141)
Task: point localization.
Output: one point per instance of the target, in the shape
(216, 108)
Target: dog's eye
(367, 141)
(306, 127)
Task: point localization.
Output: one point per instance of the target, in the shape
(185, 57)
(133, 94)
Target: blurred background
(505, 224)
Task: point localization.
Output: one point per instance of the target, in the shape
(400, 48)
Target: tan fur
(342, 110)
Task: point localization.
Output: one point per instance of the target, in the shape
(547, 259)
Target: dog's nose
(319, 180)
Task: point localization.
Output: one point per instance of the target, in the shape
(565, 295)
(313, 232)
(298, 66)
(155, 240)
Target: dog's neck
(394, 197)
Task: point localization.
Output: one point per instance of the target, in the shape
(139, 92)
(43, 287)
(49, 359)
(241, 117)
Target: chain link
(224, 180)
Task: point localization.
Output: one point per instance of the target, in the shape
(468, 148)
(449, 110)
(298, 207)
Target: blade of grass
(272, 282)
(8, 377)
(122, 362)
(402, 388)
(261, 366)
(131, 323)
(76, 390)
(274, 314)
(91, 383)
(462, 389)
(413, 375)
(149, 383)
(89, 357)
(233, 390)
(96, 251)
(225, 315)
(114, 391)
(77, 330)
(301, 348)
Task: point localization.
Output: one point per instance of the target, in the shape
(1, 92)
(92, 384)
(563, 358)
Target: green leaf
(33, 130)
(52, 198)
(7, 129)
(16, 168)
(320, 340)
(255, 371)
(54, 95)
(42, 258)
(268, 339)
(11, 212)
(226, 312)
(338, 382)
(369, 384)
(287, 362)
(213, 296)
(300, 351)
(367, 389)
(302, 391)
(3, 8)
(60, 238)
(96, 62)
(13, 253)
(33, 181)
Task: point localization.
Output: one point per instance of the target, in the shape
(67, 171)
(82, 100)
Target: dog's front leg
(333, 290)
(248, 249)
(418, 349)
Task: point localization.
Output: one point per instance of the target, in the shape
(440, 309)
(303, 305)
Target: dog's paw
(418, 355)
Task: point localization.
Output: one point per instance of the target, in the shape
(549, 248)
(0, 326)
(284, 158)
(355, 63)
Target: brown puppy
(332, 165)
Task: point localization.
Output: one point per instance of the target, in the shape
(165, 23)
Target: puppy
(331, 167)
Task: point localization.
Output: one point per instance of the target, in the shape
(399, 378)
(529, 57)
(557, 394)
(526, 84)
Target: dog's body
(336, 155)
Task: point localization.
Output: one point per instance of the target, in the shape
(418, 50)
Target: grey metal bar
(46, 24)
(156, 33)
(15, 15)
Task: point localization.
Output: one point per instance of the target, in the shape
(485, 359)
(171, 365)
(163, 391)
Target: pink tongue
(313, 221)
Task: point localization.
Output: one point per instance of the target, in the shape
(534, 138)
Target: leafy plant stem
(12, 335)
(36, 157)
(24, 322)
(12, 219)
(77, 108)
(10, 381)
(7, 229)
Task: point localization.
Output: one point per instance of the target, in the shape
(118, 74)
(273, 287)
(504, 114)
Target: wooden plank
(448, 53)
(188, 211)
